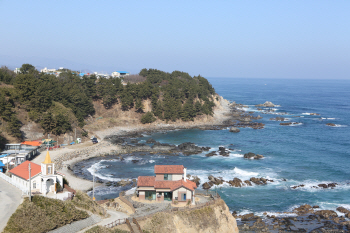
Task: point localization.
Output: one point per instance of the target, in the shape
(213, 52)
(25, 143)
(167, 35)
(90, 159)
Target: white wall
(177, 177)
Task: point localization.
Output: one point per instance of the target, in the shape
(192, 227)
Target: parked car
(94, 140)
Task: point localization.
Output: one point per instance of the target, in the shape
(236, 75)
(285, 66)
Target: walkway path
(78, 225)
(10, 199)
(113, 216)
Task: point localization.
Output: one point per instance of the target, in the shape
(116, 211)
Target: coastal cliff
(208, 219)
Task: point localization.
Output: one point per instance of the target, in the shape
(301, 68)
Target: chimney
(185, 177)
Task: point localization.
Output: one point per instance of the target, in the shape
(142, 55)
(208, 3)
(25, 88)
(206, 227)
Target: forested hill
(57, 102)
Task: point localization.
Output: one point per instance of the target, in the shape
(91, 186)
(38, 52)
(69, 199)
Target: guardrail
(11, 181)
(116, 223)
(129, 225)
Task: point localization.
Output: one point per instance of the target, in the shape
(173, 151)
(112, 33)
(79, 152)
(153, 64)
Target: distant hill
(56, 105)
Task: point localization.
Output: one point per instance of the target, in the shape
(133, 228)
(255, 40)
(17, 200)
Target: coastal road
(10, 199)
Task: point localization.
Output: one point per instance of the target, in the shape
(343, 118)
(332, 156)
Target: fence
(116, 223)
(11, 181)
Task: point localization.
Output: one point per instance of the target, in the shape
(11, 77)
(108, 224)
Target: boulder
(196, 180)
(247, 217)
(234, 130)
(151, 140)
(206, 185)
(211, 154)
(249, 155)
(236, 182)
(326, 214)
(343, 210)
(248, 183)
(215, 181)
(316, 207)
(331, 124)
(267, 104)
(188, 148)
(258, 156)
(258, 181)
(303, 209)
(323, 186)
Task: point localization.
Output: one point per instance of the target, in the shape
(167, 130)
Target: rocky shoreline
(304, 218)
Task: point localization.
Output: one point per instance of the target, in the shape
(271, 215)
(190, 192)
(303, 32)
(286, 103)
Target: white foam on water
(236, 155)
(337, 125)
(298, 124)
(151, 161)
(306, 113)
(329, 118)
(130, 191)
(95, 168)
(277, 214)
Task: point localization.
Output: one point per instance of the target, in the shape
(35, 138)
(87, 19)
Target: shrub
(82, 200)
(148, 118)
(176, 202)
(42, 215)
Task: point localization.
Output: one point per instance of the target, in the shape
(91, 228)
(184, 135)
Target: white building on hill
(43, 177)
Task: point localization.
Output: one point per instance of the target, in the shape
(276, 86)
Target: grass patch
(99, 229)
(84, 201)
(42, 215)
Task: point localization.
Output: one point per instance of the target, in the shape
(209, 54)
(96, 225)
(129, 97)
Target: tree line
(174, 96)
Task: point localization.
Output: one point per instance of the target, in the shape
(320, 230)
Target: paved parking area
(10, 199)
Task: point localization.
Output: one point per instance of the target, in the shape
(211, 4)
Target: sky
(297, 39)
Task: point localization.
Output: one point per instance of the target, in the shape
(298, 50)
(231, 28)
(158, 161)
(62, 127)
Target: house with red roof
(43, 178)
(169, 184)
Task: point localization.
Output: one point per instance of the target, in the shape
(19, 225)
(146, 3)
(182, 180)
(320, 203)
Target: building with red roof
(170, 184)
(43, 178)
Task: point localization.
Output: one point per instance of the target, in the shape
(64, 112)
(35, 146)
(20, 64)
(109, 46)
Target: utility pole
(30, 185)
(93, 185)
(75, 134)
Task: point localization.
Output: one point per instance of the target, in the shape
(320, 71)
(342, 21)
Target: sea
(307, 153)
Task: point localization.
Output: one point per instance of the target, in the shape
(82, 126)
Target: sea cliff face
(209, 219)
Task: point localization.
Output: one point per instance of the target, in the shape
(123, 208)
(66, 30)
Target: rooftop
(149, 181)
(22, 170)
(169, 169)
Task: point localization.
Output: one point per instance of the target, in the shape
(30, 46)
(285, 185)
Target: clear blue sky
(260, 39)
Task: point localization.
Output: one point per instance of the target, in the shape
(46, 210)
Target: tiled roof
(169, 169)
(149, 181)
(145, 181)
(31, 143)
(22, 170)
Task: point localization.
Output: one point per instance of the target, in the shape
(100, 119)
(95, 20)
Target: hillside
(34, 104)
(213, 218)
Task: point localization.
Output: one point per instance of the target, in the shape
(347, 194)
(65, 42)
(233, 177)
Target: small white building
(17, 70)
(43, 177)
(46, 70)
(118, 74)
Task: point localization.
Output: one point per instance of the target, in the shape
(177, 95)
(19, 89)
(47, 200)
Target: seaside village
(57, 72)
(169, 189)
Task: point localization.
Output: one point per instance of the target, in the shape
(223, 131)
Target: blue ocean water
(308, 153)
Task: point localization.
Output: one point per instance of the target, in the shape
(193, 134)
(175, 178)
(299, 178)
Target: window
(34, 185)
(165, 176)
(49, 170)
